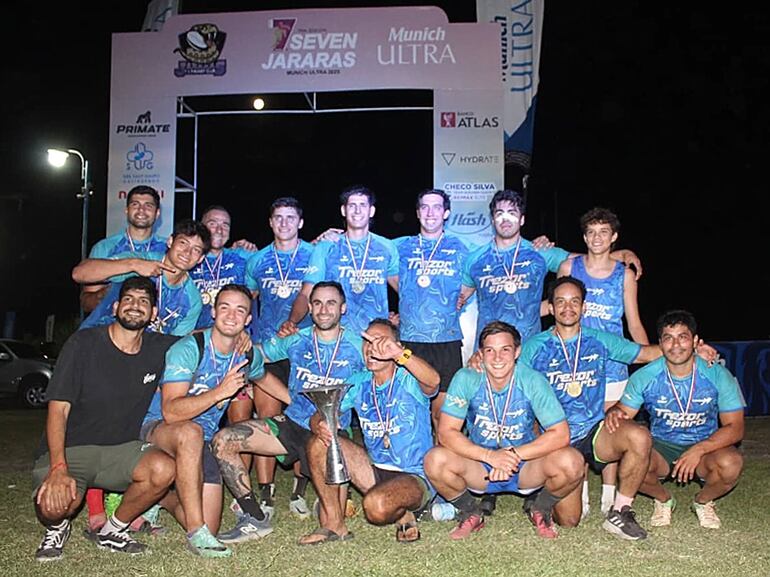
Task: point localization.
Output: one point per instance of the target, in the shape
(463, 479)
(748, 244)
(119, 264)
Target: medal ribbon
(217, 267)
(281, 276)
(160, 321)
(133, 246)
(212, 352)
(359, 271)
(331, 361)
(500, 422)
(423, 263)
(386, 424)
(509, 274)
(685, 410)
(566, 355)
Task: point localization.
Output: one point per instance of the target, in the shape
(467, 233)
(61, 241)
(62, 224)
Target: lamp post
(58, 158)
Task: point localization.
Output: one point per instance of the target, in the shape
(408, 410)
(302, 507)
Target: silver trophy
(327, 402)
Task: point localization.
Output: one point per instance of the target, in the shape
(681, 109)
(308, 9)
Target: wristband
(56, 466)
(405, 356)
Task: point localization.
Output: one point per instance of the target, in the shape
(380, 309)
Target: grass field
(507, 546)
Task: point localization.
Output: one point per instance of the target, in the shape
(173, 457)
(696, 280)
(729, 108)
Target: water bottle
(443, 511)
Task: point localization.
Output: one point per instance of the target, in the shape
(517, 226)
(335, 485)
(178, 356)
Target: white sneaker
(299, 507)
(661, 514)
(707, 515)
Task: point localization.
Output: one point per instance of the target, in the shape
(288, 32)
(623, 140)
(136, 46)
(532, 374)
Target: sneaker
(470, 524)
(488, 505)
(52, 546)
(707, 515)
(298, 506)
(623, 524)
(236, 509)
(544, 525)
(203, 543)
(246, 529)
(267, 499)
(120, 542)
(661, 514)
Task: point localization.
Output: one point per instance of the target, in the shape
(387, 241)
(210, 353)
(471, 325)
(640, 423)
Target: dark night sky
(658, 114)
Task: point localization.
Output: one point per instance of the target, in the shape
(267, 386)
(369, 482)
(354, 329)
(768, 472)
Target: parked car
(24, 372)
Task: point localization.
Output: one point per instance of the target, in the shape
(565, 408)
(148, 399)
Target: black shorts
(211, 473)
(383, 475)
(280, 369)
(446, 358)
(585, 447)
(294, 439)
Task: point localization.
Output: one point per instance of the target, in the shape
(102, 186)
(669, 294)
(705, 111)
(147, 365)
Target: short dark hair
(512, 196)
(385, 323)
(233, 287)
(677, 317)
(598, 215)
(327, 284)
(139, 283)
(439, 192)
(143, 189)
(288, 202)
(496, 327)
(357, 189)
(562, 280)
(190, 227)
(211, 207)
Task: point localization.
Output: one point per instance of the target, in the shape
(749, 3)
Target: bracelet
(405, 356)
(56, 466)
(515, 452)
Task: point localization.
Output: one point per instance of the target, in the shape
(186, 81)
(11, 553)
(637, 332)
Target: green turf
(506, 547)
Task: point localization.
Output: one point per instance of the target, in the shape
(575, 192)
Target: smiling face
(357, 212)
(231, 313)
(432, 214)
(285, 223)
(499, 353)
(372, 363)
(326, 307)
(599, 237)
(134, 310)
(185, 252)
(567, 305)
(141, 211)
(218, 223)
(677, 344)
(508, 220)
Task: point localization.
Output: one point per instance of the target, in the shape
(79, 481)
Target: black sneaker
(52, 546)
(488, 505)
(623, 524)
(120, 542)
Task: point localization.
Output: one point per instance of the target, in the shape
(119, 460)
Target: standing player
(610, 296)
(362, 262)
(696, 419)
(142, 211)
(429, 284)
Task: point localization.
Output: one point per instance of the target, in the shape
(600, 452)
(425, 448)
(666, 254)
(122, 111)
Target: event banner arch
(310, 51)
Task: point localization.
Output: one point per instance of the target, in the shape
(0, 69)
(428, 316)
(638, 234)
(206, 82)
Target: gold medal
(283, 291)
(357, 286)
(423, 280)
(386, 441)
(574, 389)
(510, 286)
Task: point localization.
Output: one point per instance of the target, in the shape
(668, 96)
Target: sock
(545, 501)
(113, 525)
(608, 494)
(585, 492)
(621, 501)
(466, 503)
(250, 506)
(95, 502)
(266, 492)
(300, 484)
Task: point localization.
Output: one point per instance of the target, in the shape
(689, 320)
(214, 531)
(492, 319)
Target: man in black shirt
(98, 396)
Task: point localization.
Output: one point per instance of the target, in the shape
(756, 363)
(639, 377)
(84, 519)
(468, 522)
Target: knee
(568, 520)
(638, 439)
(435, 462)
(729, 466)
(220, 445)
(190, 435)
(162, 470)
(572, 464)
(374, 508)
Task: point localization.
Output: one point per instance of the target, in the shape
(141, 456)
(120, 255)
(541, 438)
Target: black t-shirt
(109, 391)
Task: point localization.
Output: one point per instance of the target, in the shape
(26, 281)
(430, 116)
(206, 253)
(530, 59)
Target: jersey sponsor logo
(488, 429)
(177, 370)
(560, 379)
(458, 402)
(432, 268)
(590, 358)
(149, 378)
(677, 420)
(310, 380)
(703, 401)
(596, 310)
(376, 429)
(496, 284)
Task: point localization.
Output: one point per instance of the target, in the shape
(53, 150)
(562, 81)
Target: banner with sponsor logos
(749, 362)
(286, 51)
(520, 31)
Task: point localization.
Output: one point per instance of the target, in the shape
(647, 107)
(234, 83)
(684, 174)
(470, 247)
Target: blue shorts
(509, 486)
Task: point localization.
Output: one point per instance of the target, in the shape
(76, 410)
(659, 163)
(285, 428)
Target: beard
(132, 324)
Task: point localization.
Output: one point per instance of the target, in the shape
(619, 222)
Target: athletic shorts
(509, 486)
(294, 439)
(446, 358)
(279, 369)
(211, 474)
(669, 451)
(109, 467)
(585, 447)
(382, 475)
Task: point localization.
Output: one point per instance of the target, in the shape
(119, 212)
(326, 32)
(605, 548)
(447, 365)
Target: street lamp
(58, 158)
